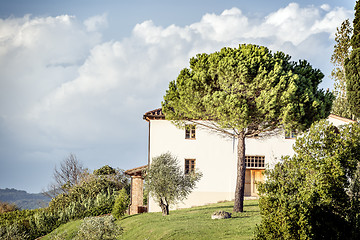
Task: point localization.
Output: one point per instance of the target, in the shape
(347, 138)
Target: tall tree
(352, 66)
(246, 92)
(340, 54)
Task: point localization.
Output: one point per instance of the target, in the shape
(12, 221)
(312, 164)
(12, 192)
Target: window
(190, 132)
(189, 166)
(255, 161)
(290, 134)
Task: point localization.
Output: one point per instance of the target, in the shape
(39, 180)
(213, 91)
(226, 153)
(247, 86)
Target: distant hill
(23, 199)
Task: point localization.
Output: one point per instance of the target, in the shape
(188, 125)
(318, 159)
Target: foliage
(340, 54)
(36, 223)
(94, 195)
(314, 195)
(12, 232)
(352, 65)
(121, 204)
(21, 222)
(90, 187)
(246, 91)
(105, 170)
(8, 207)
(9, 218)
(43, 222)
(167, 183)
(98, 228)
(101, 204)
(145, 197)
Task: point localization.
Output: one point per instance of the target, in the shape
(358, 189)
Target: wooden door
(252, 177)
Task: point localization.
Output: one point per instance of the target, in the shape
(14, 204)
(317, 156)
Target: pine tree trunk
(240, 180)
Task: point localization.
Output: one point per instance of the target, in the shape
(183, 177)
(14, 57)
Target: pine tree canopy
(248, 88)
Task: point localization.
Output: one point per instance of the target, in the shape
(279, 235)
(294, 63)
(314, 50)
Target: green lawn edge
(190, 223)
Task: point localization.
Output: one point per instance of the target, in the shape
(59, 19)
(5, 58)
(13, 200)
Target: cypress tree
(352, 67)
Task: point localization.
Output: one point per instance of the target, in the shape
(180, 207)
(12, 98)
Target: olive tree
(315, 193)
(167, 183)
(246, 92)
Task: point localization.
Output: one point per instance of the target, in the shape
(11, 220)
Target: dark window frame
(255, 161)
(190, 132)
(189, 166)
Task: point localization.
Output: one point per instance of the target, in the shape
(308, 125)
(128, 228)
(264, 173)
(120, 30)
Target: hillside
(191, 223)
(23, 199)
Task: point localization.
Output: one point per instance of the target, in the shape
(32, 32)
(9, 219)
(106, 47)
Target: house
(216, 157)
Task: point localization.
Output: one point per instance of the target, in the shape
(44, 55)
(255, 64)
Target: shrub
(105, 170)
(94, 195)
(12, 232)
(42, 222)
(90, 187)
(121, 204)
(98, 228)
(315, 194)
(59, 236)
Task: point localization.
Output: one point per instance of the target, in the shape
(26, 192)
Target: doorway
(252, 177)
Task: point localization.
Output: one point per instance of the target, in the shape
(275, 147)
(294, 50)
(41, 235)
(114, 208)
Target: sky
(76, 76)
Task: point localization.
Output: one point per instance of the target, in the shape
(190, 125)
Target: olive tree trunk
(164, 207)
(240, 179)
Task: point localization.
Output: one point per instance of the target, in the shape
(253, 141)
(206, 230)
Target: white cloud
(230, 24)
(289, 24)
(36, 56)
(63, 88)
(325, 7)
(137, 70)
(95, 23)
(332, 19)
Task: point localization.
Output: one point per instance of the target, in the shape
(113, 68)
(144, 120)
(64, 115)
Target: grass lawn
(191, 223)
(66, 231)
(194, 223)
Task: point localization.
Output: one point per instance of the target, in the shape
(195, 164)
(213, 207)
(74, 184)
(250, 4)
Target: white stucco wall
(215, 158)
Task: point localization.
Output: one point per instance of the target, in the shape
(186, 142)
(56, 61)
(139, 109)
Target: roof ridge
(154, 114)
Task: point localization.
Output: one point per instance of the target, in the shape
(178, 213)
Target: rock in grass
(220, 215)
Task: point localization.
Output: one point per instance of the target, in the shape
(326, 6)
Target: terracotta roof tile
(136, 171)
(154, 114)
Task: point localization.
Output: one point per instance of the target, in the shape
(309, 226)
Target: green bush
(105, 170)
(121, 204)
(12, 232)
(43, 222)
(21, 221)
(315, 194)
(94, 196)
(91, 187)
(98, 228)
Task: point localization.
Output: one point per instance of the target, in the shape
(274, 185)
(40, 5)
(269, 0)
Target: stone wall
(137, 193)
